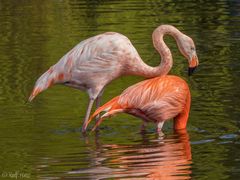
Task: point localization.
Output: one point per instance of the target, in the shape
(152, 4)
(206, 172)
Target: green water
(42, 139)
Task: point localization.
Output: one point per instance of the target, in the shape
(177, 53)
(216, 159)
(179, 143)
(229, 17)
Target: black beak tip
(191, 70)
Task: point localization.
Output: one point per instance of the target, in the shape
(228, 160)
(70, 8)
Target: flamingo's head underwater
(188, 50)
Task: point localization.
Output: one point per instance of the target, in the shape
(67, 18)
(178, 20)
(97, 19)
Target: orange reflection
(156, 158)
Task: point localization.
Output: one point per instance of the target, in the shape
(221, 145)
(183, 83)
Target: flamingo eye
(192, 48)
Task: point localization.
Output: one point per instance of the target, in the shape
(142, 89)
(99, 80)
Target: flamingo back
(92, 63)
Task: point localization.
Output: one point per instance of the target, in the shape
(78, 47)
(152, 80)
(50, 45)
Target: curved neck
(159, 44)
(165, 53)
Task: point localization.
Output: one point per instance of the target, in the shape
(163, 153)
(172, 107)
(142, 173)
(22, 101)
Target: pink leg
(159, 126)
(159, 130)
(90, 105)
(94, 93)
(98, 102)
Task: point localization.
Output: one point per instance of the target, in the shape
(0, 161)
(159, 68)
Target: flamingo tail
(46, 80)
(110, 108)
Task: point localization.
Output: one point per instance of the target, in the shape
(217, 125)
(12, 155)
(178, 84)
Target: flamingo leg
(99, 98)
(90, 105)
(159, 126)
(98, 103)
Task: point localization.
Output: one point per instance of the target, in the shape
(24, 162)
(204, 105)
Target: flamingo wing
(103, 52)
(161, 110)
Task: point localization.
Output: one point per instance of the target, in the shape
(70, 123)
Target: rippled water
(42, 140)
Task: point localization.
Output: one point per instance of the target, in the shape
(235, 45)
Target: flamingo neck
(159, 44)
(166, 57)
(165, 53)
(180, 121)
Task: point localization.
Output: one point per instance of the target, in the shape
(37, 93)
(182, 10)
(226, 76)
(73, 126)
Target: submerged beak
(192, 65)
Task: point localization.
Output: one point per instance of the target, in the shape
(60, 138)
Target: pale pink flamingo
(153, 100)
(96, 61)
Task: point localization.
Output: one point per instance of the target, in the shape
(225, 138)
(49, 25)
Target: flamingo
(96, 61)
(153, 100)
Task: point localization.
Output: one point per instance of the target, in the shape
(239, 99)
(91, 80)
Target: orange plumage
(153, 100)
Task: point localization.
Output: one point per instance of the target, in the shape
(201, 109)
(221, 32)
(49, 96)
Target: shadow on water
(151, 157)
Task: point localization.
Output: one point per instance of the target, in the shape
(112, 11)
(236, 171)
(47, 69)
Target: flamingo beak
(191, 70)
(192, 65)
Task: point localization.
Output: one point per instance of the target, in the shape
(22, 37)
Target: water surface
(42, 140)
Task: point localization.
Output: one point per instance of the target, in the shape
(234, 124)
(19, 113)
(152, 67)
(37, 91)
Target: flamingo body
(153, 100)
(91, 64)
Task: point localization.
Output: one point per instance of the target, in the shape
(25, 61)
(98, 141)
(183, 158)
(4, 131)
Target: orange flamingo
(153, 100)
(95, 62)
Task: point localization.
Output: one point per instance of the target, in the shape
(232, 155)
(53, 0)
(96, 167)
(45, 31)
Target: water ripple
(169, 157)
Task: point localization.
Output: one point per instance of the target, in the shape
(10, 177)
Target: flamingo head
(188, 50)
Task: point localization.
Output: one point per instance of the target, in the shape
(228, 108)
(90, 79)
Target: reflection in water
(151, 158)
